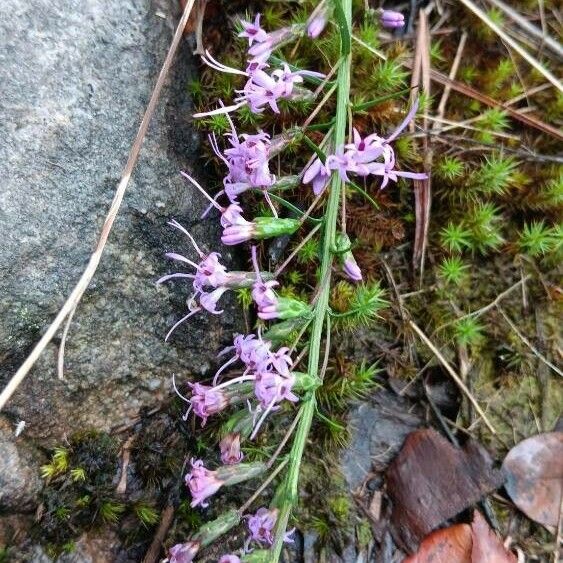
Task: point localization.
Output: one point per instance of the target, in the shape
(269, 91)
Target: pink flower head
(207, 401)
(229, 559)
(317, 173)
(261, 526)
(392, 19)
(272, 388)
(372, 156)
(183, 552)
(250, 350)
(230, 449)
(210, 272)
(202, 483)
(253, 31)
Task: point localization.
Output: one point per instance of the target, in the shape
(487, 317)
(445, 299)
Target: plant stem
(321, 307)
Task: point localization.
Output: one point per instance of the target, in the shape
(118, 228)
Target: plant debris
(432, 481)
(462, 543)
(534, 477)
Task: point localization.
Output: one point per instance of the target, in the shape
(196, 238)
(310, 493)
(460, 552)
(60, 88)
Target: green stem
(289, 498)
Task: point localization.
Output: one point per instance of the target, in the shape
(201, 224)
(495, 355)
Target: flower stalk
(289, 498)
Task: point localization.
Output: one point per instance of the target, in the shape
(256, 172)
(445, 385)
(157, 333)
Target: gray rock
(74, 81)
(378, 429)
(20, 483)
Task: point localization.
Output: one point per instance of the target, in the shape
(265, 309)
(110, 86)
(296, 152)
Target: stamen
(183, 319)
(263, 418)
(213, 202)
(170, 276)
(177, 225)
(180, 258)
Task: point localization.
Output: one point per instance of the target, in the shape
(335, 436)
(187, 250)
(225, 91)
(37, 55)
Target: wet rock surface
(74, 81)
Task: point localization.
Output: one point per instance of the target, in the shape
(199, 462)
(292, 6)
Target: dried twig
(126, 457)
(96, 256)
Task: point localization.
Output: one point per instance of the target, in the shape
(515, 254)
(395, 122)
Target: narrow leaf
(345, 39)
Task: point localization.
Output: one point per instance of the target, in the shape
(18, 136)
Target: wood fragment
(125, 458)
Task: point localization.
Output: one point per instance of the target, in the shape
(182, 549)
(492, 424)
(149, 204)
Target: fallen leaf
(431, 481)
(450, 545)
(462, 543)
(534, 477)
(487, 546)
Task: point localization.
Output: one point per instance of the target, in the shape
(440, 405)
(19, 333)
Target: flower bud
(183, 552)
(318, 20)
(351, 268)
(230, 449)
(392, 19)
(347, 260)
(269, 227)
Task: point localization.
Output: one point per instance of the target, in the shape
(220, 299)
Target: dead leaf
(462, 543)
(534, 477)
(450, 545)
(487, 547)
(431, 481)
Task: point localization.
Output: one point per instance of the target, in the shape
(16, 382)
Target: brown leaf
(462, 543)
(431, 481)
(487, 547)
(450, 545)
(534, 477)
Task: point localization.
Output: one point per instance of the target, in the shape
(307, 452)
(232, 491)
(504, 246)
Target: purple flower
(262, 292)
(202, 483)
(272, 41)
(251, 351)
(284, 308)
(392, 19)
(272, 388)
(183, 552)
(209, 300)
(261, 525)
(317, 173)
(372, 155)
(351, 268)
(230, 449)
(229, 559)
(281, 361)
(253, 31)
(207, 401)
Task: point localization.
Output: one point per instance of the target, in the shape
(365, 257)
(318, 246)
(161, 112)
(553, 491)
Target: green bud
(305, 382)
(210, 531)
(290, 308)
(280, 332)
(234, 474)
(270, 227)
(342, 244)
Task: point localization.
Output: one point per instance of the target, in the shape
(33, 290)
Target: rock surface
(20, 483)
(74, 81)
